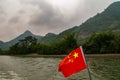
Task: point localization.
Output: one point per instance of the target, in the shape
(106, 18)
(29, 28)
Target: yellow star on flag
(75, 55)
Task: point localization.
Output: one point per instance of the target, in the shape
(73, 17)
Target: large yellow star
(75, 55)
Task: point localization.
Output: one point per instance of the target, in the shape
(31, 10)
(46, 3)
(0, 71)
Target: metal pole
(89, 73)
(86, 63)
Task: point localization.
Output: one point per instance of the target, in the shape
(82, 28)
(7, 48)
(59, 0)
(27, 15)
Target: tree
(63, 46)
(70, 42)
(104, 42)
(24, 46)
(0, 50)
(28, 44)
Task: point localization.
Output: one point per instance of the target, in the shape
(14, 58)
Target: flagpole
(87, 64)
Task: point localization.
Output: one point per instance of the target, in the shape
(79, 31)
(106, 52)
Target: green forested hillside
(52, 38)
(48, 38)
(108, 19)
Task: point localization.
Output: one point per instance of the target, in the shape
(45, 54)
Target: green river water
(40, 68)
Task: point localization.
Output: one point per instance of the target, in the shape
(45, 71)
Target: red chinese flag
(73, 63)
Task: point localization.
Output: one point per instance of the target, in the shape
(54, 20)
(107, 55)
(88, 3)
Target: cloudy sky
(43, 16)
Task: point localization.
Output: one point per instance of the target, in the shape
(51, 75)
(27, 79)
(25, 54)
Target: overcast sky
(44, 16)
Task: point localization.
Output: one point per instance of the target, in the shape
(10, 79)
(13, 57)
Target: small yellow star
(75, 55)
(70, 60)
(68, 57)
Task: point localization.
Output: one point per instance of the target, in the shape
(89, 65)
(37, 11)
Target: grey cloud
(1, 11)
(2, 15)
(47, 16)
(21, 12)
(14, 20)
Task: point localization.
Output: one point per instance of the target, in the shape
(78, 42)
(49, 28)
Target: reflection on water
(107, 68)
(28, 68)
(9, 75)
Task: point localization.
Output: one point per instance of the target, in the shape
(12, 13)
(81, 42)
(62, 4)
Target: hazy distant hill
(1, 44)
(49, 38)
(22, 36)
(108, 19)
(6, 45)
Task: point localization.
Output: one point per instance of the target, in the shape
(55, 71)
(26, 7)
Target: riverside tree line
(104, 42)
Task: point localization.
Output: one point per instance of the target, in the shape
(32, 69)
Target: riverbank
(62, 56)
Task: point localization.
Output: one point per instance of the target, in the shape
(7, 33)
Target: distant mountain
(49, 38)
(6, 45)
(22, 36)
(1, 44)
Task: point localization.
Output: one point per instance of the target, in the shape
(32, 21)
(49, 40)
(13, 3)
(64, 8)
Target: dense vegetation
(24, 46)
(0, 50)
(104, 42)
(30, 45)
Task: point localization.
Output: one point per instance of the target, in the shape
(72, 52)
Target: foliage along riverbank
(35, 55)
(62, 56)
(104, 42)
(29, 45)
(97, 43)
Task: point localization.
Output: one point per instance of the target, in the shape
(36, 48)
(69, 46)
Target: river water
(39, 68)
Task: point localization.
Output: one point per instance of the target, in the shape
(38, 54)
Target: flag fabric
(72, 63)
